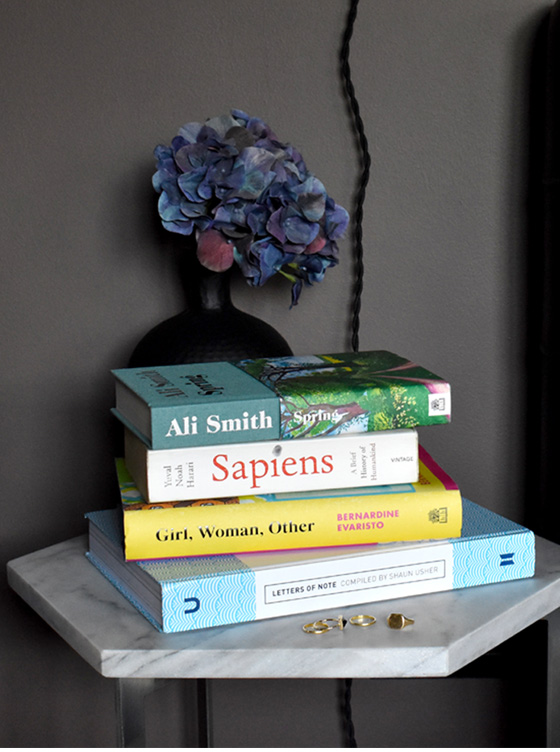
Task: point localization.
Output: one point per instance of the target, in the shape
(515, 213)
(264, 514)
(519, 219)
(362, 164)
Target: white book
(347, 461)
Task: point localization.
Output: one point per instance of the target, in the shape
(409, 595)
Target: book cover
(278, 398)
(429, 508)
(193, 593)
(346, 461)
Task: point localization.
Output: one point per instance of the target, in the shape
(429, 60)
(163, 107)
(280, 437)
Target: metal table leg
(553, 681)
(131, 724)
(193, 725)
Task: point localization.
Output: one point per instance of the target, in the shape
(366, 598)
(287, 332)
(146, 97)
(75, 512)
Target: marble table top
(451, 629)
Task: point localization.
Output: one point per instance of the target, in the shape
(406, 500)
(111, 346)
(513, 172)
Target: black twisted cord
(366, 163)
(347, 710)
(359, 256)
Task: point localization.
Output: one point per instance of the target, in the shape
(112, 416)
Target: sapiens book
(177, 595)
(291, 397)
(345, 461)
(429, 508)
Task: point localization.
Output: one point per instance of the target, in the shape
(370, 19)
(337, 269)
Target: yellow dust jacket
(428, 509)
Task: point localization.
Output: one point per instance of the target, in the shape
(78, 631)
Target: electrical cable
(364, 177)
(358, 257)
(347, 713)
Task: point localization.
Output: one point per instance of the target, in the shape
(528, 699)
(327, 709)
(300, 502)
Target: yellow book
(428, 509)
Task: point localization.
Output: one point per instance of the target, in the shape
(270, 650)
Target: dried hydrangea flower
(249, 199)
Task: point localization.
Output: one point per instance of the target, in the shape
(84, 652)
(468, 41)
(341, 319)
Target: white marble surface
(450, 630)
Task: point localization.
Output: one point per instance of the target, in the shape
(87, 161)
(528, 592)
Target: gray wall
(90, 88)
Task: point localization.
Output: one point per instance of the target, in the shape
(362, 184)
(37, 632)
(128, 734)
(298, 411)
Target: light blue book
(177, 595)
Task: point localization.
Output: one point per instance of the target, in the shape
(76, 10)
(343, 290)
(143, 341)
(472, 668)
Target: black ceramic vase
(210, 329)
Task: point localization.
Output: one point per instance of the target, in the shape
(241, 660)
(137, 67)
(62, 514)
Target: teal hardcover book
(207, 591)
(278, 398)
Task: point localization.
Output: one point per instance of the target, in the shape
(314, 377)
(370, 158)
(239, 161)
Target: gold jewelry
(339, 622)
(362, 620)
(316, 627)
(325, 625)
(398, 621)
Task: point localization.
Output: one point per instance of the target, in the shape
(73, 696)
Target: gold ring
(362, 620)
(398, 621)
(339, 622)
(316, 627)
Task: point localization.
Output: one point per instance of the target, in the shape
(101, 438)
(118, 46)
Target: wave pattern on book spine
(229, 599)
(473, 564)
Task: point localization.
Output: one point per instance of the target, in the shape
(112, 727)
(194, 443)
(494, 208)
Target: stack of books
(277, 486)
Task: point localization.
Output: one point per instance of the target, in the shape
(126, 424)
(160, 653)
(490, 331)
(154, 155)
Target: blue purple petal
(261, 207)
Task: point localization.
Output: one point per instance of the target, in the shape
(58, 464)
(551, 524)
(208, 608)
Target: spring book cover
(290, 397)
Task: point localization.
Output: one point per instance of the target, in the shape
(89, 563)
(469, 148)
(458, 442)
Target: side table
(451, 629)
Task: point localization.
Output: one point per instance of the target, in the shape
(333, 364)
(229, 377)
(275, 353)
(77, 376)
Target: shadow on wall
(543, 241)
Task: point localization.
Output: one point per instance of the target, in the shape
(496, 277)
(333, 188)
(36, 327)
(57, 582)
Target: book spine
(247, 595)
(495, 558)
(347, 461)
(220, 403)
(285, 525)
